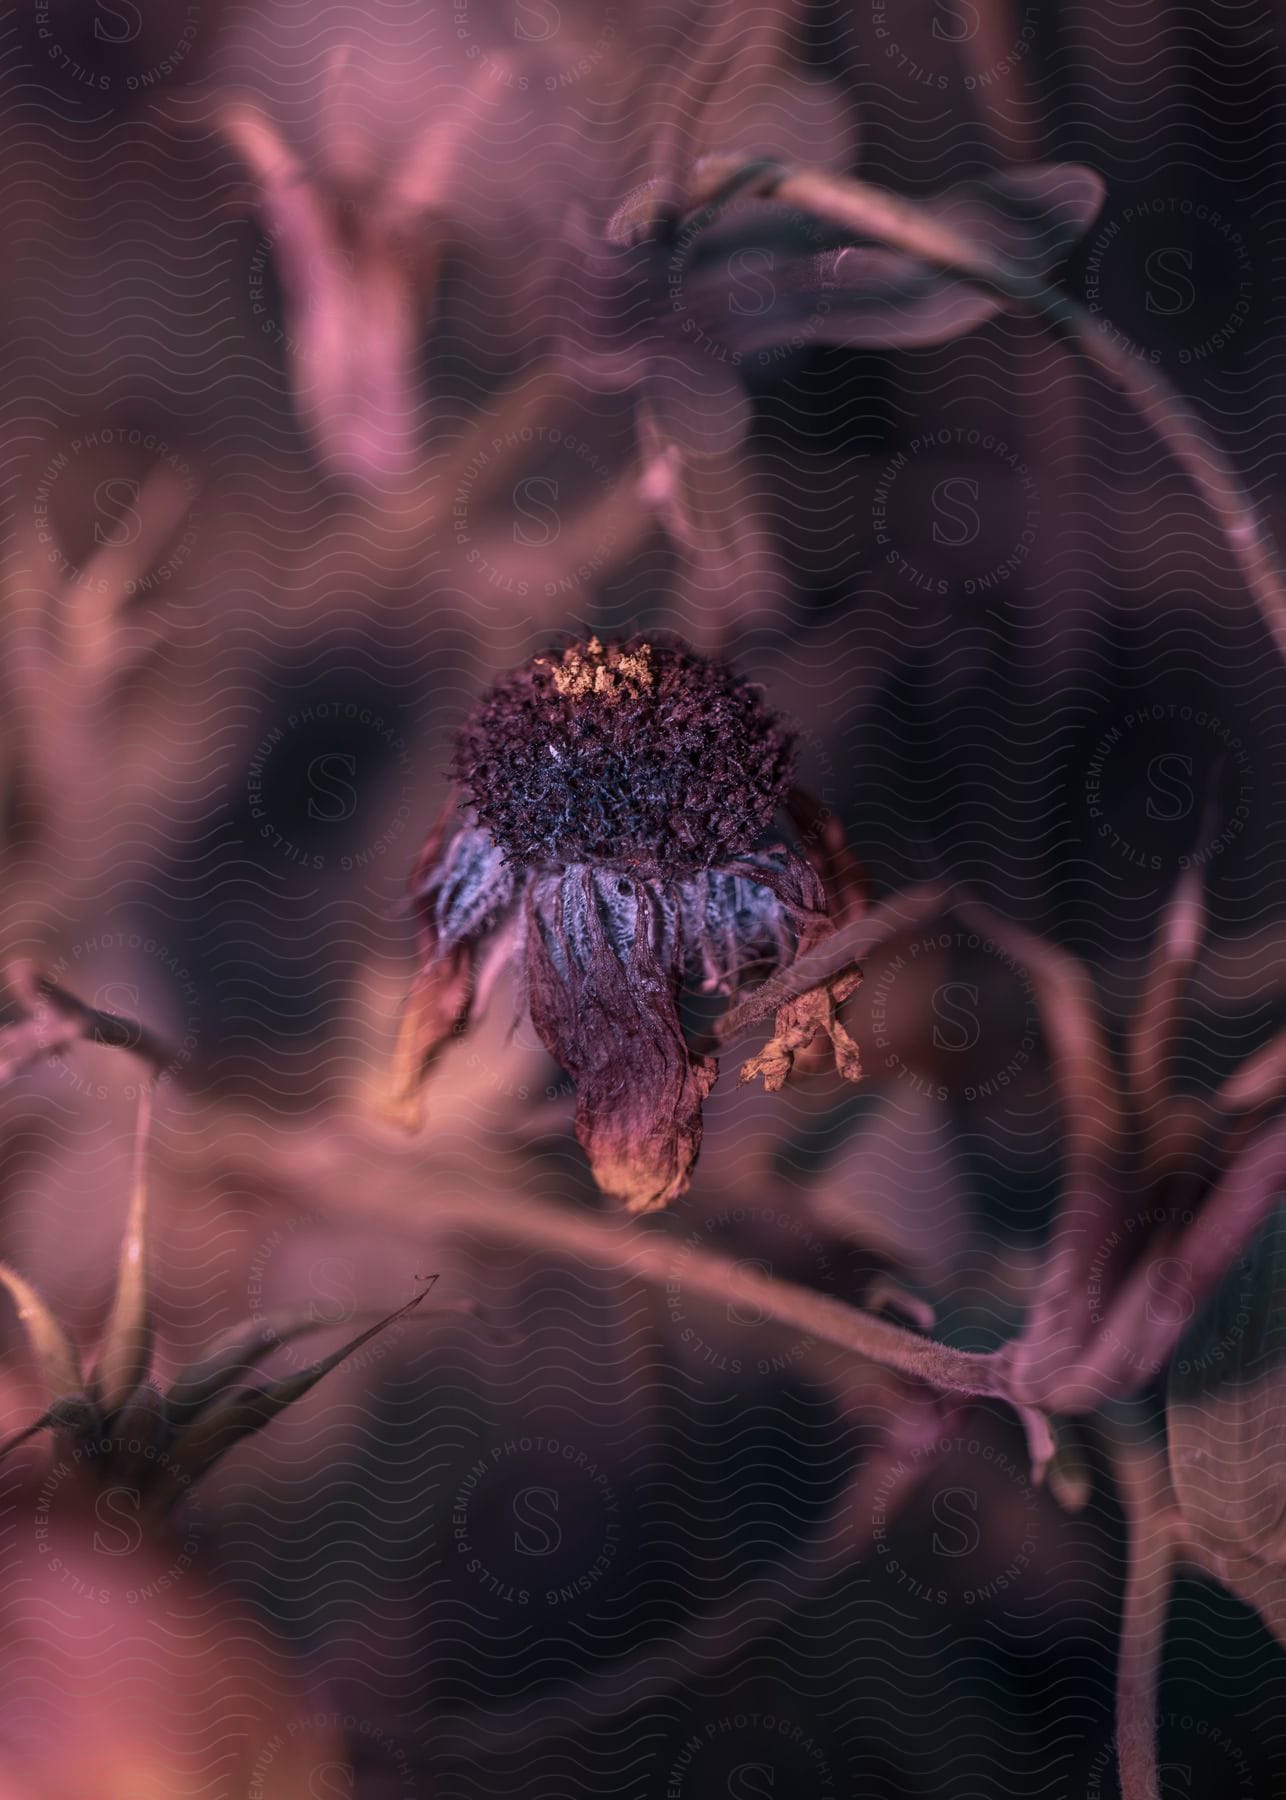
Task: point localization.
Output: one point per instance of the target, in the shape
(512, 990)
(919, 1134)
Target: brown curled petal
(460, 886)
(757, 913)
(603, 978)
(798, 1023)
(436, 1009)
(795, 884)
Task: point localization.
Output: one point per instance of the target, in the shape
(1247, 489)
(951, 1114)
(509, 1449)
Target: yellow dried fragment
(611, 673)
(797, 1023)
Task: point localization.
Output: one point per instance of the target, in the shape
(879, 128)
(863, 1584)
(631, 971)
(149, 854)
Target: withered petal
(435, 1010)
(797, 1024)
(603, 975)
(763, 908)
(461, 885)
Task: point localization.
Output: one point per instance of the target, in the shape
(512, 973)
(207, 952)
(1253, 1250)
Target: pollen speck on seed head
(612, 674)
(640, 754)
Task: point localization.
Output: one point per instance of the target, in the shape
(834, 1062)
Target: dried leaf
(1029, 217)
(1259, 1082)
(239, 1350)
(239, 1414)
(798, 1023)
(1226, 1410)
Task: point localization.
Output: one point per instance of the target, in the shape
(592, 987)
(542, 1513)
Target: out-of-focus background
(297, 456)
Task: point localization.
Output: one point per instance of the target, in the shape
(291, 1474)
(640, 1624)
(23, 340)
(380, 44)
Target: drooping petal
(763, 908)
(603, 970)
(461, 885)
(798, 1023)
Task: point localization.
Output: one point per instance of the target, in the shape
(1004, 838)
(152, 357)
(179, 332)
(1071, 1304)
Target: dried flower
(1163, 1189)
(116, 1423)
(618, 799)
(357, 242)
(698, 277)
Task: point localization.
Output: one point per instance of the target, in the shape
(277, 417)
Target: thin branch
(1154, 1547)
(77, 1022)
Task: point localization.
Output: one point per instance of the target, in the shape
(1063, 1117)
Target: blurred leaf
(1157, 1025)
(54, 1352)
(237, 1351)
(126, 1352)
(1031, 217)
(864, 297)
(870, 296)
(1259, 1082)
(237, 1415)
(1226, 1410)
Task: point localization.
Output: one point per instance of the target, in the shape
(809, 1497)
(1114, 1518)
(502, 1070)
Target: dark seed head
(641, 755)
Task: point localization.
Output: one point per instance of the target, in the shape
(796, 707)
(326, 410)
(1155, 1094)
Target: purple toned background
(301, 450)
